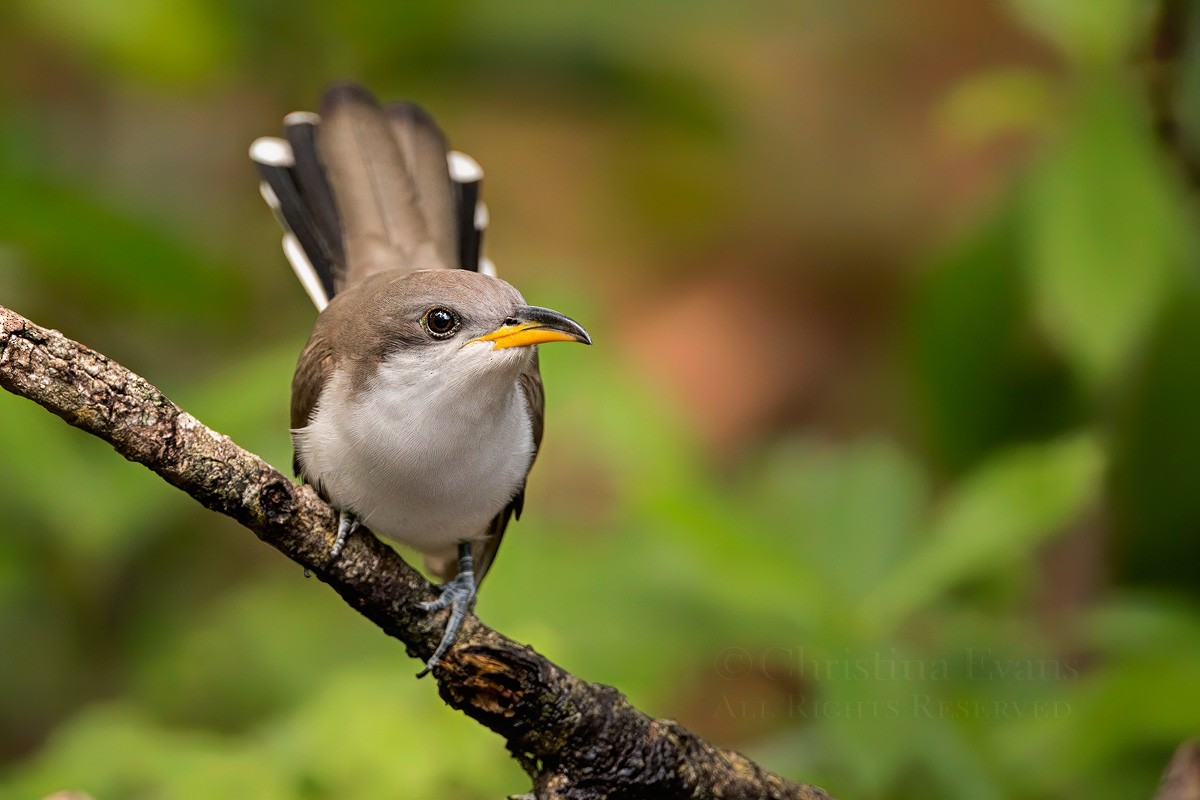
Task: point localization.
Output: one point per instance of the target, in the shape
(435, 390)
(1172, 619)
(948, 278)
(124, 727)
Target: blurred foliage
(881, 613)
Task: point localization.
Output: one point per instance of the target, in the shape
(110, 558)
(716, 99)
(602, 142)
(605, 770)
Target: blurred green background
(884, 468)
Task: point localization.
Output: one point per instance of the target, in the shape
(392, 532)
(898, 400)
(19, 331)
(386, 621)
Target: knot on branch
(275, 499)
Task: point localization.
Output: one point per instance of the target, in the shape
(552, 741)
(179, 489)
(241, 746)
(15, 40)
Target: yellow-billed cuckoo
(417, 403)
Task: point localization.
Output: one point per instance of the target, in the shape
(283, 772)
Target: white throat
(425, 453)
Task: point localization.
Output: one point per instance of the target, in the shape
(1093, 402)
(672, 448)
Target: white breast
(421, 458)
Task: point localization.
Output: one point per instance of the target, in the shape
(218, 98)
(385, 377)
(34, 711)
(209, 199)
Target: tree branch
(577, 740)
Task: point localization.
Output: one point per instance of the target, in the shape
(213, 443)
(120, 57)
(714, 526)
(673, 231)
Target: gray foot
(347, 525)
(459, 595)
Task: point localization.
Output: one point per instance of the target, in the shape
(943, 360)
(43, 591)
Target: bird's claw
(458, 594)
(347, 525)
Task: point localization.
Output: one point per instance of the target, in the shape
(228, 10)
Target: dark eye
(440, 323)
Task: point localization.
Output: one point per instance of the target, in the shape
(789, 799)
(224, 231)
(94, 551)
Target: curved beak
(533, 325)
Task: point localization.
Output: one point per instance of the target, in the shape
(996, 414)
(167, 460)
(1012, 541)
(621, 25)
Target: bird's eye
(440, 323)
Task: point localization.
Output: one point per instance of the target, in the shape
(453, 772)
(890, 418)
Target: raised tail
(361, 189)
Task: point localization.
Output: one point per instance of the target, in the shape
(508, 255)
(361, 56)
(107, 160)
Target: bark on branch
(577, 740)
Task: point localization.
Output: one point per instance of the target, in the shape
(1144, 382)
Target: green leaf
(982, 381)
(992, 520)
(1087, 31)
(1104, 233)
(1156, 455)
(997, 102)
(846, 513)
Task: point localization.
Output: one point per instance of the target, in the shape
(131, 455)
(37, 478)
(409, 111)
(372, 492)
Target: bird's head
(451, 326)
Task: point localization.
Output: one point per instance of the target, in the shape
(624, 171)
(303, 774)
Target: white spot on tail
(302, 118)
(486, 267)
(481, 216)
(304, 271)
(268, 194)
(463, 168)
(272, 151)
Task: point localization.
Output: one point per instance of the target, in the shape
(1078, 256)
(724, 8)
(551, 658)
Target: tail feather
(275, 163)
(376, 197)
(362, 188)
(300, 128)
(468, 178)
(423, 146)
(310, 279)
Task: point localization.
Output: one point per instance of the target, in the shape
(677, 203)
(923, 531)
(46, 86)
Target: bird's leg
(347, 525)
(459, 594)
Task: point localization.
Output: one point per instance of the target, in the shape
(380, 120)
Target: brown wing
(315, 366)
(484, 551)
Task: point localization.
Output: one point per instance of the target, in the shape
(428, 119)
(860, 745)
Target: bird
(417, 403)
